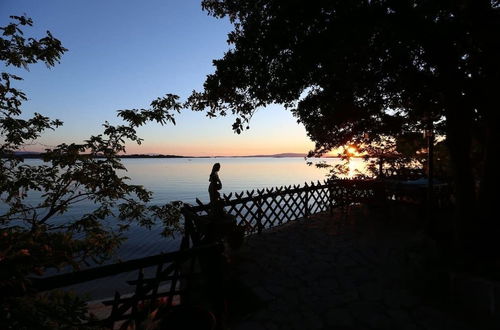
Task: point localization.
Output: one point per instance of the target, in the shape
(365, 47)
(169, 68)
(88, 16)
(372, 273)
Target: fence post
(259, 215)
(306, 203)
(330, 197)
(138, 293)
(110, 321)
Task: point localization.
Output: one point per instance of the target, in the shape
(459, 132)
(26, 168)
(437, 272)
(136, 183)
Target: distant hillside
(32, 154)
(27, 154)
(152, 156)
(286, 154)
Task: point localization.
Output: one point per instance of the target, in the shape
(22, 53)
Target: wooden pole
(430, 170)
(306, 204)
(259, 215)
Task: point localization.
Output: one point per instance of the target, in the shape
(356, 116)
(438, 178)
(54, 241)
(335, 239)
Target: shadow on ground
(369, 269)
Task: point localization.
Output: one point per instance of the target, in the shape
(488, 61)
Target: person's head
(216, 167)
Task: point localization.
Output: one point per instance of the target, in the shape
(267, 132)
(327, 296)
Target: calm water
(186, 179)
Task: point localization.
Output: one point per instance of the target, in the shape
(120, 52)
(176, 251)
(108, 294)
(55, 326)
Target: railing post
(330, 197)
(154, 293)
(110, 322)
(306, 203)
(259, 215)
(138, 293)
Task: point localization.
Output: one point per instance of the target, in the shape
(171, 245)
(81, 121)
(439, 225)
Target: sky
(123, 54)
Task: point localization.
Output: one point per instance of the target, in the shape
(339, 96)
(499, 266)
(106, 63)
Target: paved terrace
(334, 272)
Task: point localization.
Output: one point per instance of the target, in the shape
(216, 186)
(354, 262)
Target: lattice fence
(164, 282)
(265, 208)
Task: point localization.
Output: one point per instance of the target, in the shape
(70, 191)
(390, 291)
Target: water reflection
(187, 178)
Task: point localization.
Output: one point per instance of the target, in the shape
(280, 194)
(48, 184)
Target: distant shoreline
(38, 155)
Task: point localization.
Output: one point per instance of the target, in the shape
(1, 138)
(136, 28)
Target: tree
(365, 70)
(32, 237)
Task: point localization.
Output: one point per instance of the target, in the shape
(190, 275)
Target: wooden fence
(176, 274)
(172, 279)
(260, 209)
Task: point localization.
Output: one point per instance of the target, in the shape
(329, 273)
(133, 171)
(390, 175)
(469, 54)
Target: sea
(186, 179)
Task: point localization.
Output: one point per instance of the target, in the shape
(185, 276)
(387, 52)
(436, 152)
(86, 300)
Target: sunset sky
(122, 55)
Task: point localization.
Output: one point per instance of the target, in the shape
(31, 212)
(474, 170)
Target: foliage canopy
(33, 236)
(361, 71)
(353, 70)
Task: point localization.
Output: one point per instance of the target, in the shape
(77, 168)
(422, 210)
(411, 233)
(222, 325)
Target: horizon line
(159, 155)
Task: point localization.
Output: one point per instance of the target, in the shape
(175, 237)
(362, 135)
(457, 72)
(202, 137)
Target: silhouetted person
(222, 224)
(215, 184)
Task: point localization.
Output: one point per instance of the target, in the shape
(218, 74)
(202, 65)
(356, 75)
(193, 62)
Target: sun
(352, 150)
(348, 150)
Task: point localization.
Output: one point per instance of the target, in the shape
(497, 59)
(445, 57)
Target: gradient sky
(122, 55)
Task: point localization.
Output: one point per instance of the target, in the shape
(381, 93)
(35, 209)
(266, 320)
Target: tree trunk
(484, 26)
(488, 196)
(459, 142)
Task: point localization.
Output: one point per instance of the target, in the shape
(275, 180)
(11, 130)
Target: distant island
(282, 155)
(152, 156)
(32, 154)
(37, 155)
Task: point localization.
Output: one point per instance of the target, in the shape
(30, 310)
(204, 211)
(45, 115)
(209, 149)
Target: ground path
(331, 272)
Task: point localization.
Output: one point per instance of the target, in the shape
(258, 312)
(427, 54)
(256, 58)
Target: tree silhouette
(33, 237)
(360, 71)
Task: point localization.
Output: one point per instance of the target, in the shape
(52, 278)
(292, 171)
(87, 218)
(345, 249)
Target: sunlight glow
(352, 151)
